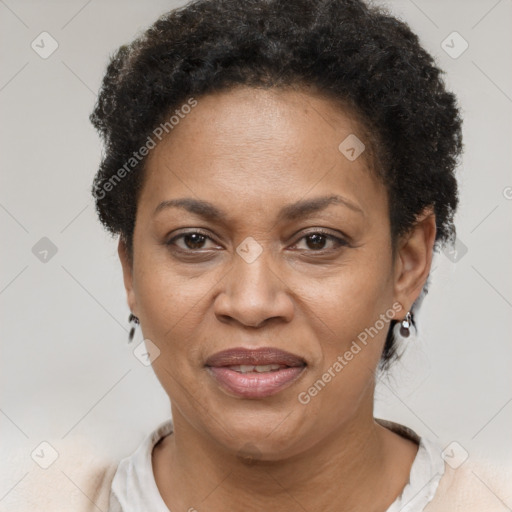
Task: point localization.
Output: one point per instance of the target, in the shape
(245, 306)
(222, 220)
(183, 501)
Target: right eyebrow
(201, 208)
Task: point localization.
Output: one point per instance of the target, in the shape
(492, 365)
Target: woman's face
(279, 266)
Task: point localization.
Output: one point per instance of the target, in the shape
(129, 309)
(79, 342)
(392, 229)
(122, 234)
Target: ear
(414, 259)
(127, 266)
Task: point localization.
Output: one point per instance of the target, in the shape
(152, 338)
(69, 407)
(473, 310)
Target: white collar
(134, 488)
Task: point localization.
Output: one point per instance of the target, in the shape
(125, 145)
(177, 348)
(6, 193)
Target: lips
(256, 357)
(256, 373)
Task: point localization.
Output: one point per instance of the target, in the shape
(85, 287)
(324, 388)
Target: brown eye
(191, 241)
(194, 240)
(316, 241)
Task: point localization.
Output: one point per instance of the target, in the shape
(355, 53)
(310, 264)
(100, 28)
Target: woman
(279, 174)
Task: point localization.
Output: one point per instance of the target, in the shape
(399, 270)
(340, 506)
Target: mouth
(256, 373)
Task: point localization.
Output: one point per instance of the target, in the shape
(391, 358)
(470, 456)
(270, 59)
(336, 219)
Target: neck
(348, 470)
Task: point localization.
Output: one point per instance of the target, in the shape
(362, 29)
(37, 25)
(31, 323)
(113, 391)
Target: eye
(192, 241)
(316, 241)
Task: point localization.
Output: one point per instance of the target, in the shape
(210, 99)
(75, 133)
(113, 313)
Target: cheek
(169, 295)
(349, 298)
(351, 313)
(170, 310)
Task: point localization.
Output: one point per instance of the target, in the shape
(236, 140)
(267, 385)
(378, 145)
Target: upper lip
(255, 357)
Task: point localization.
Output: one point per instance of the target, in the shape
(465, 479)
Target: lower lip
(255, 385)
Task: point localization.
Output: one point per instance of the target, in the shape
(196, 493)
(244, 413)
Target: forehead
(247, 145)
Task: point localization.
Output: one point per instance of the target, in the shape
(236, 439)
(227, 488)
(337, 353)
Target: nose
(253, 294)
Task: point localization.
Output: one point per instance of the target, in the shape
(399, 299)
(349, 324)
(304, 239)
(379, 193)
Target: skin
(250, 152)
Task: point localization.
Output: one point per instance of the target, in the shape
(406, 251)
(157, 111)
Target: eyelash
(340, 242)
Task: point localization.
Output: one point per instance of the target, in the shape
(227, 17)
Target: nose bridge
(252, 270)
(253, 291)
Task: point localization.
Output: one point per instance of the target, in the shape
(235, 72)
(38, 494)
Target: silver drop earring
(405, 328)
(134, 321)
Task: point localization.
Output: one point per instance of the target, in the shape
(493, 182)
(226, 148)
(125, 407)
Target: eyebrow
(289, 212)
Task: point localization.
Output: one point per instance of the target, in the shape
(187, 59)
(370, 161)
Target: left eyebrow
(309, 206)
(289, 212)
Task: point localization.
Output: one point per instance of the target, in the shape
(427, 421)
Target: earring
(405, 328)
(132, 319)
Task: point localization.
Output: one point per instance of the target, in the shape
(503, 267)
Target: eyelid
(193, 231)
(340, 240)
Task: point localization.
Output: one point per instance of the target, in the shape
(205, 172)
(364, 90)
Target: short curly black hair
(356, 54)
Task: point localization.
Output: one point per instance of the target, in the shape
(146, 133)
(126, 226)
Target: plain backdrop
(66, 366)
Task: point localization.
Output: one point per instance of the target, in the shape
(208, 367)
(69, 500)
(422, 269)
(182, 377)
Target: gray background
(66, 366)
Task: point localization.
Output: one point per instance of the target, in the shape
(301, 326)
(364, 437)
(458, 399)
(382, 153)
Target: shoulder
(475, 486)
(59, 474)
